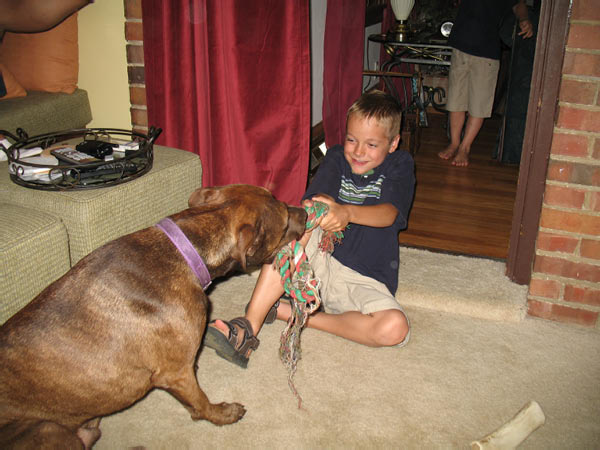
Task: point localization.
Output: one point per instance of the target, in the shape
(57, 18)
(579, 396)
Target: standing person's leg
(457, 121)
(482, 85)
(472, 129)
(457, 102)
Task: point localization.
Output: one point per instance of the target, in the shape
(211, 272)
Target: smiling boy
(369, 187)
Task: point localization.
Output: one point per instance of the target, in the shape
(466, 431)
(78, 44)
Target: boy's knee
(394, 329)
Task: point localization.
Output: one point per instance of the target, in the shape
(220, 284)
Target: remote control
(72, 156)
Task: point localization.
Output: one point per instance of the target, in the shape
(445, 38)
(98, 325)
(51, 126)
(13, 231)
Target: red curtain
(343, 64)
(230, 80)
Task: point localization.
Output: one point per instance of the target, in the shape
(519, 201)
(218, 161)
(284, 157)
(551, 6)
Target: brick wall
(135, 64)
(565, 283)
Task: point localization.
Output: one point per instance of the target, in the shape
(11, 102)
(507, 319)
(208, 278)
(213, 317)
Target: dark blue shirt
(476, 27)
(371, 251)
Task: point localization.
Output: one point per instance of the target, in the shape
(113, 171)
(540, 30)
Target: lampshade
(402, 8)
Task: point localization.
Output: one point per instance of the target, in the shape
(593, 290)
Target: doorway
(527, 200)
(461, 210)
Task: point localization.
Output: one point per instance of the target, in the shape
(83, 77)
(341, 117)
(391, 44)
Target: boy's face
(367, 143)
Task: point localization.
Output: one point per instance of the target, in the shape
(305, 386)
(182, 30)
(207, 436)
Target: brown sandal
(227, 346)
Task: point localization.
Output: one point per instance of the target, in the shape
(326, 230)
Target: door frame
(537, 141)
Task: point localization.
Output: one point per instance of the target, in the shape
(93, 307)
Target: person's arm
(340, 215)
(32, 16)
(327, 179)
(522, 15)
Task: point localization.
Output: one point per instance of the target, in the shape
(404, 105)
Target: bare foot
(448, 153)
(461, 159)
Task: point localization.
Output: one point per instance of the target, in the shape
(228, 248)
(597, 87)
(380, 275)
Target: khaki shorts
(343, 289)
(472, 84)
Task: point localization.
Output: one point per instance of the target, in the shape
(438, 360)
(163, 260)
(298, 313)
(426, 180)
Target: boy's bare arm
(339, 216)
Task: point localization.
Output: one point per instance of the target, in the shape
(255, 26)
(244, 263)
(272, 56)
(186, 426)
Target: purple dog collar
(185, 247)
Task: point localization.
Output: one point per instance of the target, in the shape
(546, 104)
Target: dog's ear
(245, 239)
(205, 195)
(250, 240)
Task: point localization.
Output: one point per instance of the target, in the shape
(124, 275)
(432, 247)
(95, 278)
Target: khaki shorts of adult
(472, 84)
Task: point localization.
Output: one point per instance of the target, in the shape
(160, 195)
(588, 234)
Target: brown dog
(130, 317)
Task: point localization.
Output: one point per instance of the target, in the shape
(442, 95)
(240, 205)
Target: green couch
(45, 233)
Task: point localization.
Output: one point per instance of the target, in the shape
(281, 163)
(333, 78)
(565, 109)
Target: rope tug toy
(301, 284)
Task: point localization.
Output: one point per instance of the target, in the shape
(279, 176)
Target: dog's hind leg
(32, 434)
(89, 432)
(184, 387)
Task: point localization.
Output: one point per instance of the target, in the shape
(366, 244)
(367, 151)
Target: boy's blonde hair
(381, 106)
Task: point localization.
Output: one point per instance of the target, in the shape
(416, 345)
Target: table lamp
(402, 9)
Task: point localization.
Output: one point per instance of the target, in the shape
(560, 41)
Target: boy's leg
(378, 329)
(356, 307)
(267, 291)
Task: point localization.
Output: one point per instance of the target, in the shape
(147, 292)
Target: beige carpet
(461, 376)
(476, 287)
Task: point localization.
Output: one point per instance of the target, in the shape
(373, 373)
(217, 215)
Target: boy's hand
(338, 217)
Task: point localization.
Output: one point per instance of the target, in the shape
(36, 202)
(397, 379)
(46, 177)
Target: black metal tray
(119, 167)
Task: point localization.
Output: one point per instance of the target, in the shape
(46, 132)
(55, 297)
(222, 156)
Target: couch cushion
(47, 61)
(34, 251)
(45, 112)
(12, 86)
(94, 217)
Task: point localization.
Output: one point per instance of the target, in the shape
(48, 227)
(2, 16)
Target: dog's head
(259, 223)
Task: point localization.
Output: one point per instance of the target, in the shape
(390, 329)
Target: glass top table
(421, 50)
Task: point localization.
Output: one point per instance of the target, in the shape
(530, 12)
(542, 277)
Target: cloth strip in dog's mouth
(187, 250)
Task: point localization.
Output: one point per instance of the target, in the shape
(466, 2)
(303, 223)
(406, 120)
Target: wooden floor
(465, 210)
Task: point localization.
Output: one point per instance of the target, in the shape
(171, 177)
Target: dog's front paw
(225, 413)
(230, 413)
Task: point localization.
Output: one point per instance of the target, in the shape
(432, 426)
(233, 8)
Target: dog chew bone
(515, 431)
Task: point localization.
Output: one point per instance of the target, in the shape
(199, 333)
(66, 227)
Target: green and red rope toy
(302, 286)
